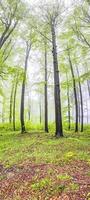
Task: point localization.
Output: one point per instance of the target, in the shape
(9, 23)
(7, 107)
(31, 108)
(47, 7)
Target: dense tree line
(56, 36)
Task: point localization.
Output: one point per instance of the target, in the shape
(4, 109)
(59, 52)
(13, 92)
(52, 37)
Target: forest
(44, 100)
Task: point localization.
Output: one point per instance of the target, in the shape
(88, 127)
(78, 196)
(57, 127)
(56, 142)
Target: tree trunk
(88, 85)
(22, 108)
(68, 97)
(81, 99)
(14, 105)
(75, 93)
(79, 111)
(58, 115)
(46, 101)
(88, 81)
(40, 108)
(11, 104)
(79, 105)
(23, 90)
(29, 109)
(87, 112)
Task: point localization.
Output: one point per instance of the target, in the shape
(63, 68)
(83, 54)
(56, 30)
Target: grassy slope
(43, 148)
(39, 166)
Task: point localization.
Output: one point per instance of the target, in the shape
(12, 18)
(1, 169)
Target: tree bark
(23, 89)
(81, 99)
(29, 109)
(88, 85)
(87, 112)
(88, 81)
(46, 100)
(58, 114)
(68, 97)
(40, 108)
(11, 104)
(75, 93)
(14, 105)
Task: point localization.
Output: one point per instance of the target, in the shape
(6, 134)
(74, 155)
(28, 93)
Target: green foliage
(42, 184)
(29, 126)
(63, 177)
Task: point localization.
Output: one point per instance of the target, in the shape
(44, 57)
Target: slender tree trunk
(79, 105)
(14, 105)
(23, 90)
(40, 108)
(75, 93)
(81, 99)
(58, 115)
(68, 97)
(22, 108)
(29, 109)
(87, 112)
(88, 81)
(88, 85)
(73, 110)
(46, 100)
(11, 104)
(79, 111)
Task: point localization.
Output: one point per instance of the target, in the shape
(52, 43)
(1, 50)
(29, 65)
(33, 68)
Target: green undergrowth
(41, 184)
(39, 147)
(47, 185)
(29, 126)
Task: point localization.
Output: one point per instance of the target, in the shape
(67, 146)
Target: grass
(43, 148)
(45, 181)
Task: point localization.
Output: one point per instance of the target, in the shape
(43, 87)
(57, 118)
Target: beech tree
(28, 48)
(17, 78)
(51, 16)
(54, 42)
(75, 92)
(29, 40)
(46, 97)
(81, 98)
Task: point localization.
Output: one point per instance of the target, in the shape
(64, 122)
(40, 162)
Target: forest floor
(37, 166)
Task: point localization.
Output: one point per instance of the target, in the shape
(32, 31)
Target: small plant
(63, 177)
(44, 183)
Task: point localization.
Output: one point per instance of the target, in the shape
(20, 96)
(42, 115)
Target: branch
(41, 33)
(8, 34)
